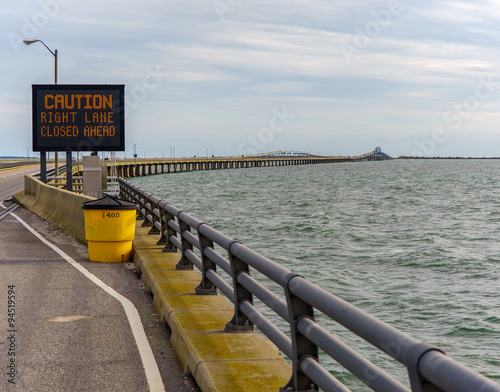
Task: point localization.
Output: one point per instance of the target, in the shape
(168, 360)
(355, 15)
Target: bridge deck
(142, 167)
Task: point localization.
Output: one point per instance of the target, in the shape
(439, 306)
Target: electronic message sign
(70, 117)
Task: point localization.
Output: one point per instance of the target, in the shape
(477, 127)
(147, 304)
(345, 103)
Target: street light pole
(43, 156)
(55, 67)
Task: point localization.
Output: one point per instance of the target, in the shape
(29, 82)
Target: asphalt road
(12, 180)
(62, 332)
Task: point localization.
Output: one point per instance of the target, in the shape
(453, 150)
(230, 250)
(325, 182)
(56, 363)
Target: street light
(43, 157)
(32, 41)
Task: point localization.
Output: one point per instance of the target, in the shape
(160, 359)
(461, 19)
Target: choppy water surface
(415, 243)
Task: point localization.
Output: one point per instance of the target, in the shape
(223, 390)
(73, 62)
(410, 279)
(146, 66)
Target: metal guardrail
(57, 181)
(77, 181)
(51, 173)
(429, 369)
(16, 164)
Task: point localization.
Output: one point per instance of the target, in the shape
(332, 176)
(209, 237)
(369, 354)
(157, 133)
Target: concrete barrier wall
(58, 206)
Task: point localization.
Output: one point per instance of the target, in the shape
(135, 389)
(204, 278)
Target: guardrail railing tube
(240, 322)
(302, 347)
(450, 375)
(324, 379)
(370, 374)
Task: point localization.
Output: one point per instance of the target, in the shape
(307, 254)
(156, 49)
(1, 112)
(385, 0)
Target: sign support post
(43, 167)
(69, 171)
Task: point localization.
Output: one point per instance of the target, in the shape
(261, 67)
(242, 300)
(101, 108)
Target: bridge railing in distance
(51, 178)
(77, 180)
(8, 165)
(429, 369)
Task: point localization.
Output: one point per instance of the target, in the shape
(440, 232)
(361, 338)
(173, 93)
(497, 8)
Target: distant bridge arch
(375, 155)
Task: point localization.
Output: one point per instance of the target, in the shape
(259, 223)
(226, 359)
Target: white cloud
(221, 78)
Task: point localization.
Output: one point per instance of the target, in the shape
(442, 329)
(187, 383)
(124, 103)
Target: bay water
(413, 242)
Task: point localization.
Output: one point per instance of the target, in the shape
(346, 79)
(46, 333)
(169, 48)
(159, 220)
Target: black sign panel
(78, 117)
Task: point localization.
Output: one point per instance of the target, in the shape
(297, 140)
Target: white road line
(148, 360)
(3, 214)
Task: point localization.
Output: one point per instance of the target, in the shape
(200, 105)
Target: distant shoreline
(406, 157)
(36, 159)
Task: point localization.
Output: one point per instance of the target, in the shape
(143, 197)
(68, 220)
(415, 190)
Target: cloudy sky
(245, 76)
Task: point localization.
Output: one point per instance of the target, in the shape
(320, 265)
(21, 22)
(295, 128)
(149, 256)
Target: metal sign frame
(69, 117)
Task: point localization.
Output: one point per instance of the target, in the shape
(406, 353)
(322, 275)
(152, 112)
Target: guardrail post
(143, 198)
(123, 189)
(69, 171)
(301, 346)
(164, 240)
(139, 199)
(417, 382)
(166, 231)
(153, 202)
(136, 199)
(146, 203)
(43, 167)
(185, 263)
(129, 193)
(206, 287)
(240, 322)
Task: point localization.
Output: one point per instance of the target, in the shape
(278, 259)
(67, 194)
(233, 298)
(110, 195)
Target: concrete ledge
(219, 361)
(58, 206)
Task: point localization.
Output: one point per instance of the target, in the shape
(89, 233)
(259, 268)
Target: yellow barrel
(109, 229)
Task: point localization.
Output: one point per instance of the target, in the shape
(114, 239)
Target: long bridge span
(142, 167)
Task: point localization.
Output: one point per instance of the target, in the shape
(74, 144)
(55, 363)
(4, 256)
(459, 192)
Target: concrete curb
(218, 361)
